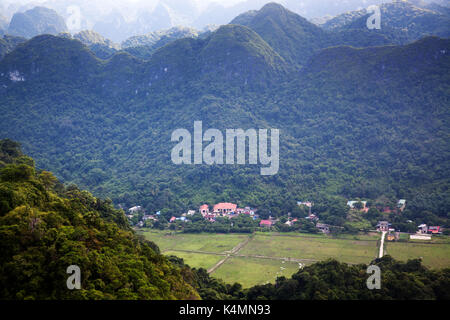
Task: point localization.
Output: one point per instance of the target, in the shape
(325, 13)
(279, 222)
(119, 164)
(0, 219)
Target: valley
(99, 171)
(268, 255)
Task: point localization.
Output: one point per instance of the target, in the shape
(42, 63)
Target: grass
(361, 236)
(316, 248)
(434, 255)
(197, 260)
(206, 242)
(253, 271)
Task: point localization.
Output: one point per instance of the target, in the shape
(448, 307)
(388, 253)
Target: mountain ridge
(127, 99)
(39, 20)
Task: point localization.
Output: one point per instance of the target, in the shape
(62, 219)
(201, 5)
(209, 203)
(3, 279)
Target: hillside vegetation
(45, 228)
(369, 123)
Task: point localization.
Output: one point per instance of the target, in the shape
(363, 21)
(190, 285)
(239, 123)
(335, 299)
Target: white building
(135, 209)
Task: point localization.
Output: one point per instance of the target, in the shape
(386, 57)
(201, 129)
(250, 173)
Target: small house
(422, 228)
(306, 203)
(135, 209)
(419, 236)
(265, 223)
(383, 226)
(434, 229)
(204, 209)
(224, 208)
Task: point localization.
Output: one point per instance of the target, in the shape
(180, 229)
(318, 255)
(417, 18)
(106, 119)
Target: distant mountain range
(297, 39)
(294, 37)
(116, 22)
(143, 46)
(401, 21)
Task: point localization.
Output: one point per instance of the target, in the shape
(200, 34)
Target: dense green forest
(45, 227)
(331, 280)
(356, 123)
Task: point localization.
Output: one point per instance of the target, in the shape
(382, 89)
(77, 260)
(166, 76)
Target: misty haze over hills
(119, 20)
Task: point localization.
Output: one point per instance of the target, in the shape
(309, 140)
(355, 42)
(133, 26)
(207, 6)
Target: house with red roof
(172, 219)
(387, 210)
(434, 229)
(224, 208)
(210, 217)
(265, 223)
(204, 209)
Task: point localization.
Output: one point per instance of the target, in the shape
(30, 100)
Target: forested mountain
(331, 280)
(297, 39)
(39, 20)
(153, 38)
(369, 123)
(438, 8)
(145, 45)
(401, 21)
(45, 228)
(101, 47)
(363, 114)
(294, 38)
(8, 43)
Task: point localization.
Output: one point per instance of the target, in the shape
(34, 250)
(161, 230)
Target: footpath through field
(383, 234)
(233, 251)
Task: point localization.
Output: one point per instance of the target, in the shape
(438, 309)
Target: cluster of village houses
(231, 210)
(423, 233)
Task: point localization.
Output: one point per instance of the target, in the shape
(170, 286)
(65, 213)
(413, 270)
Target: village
(227, 210)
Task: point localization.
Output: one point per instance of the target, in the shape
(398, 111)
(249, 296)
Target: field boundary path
(235, 253)
(380, 254)
(230, 253)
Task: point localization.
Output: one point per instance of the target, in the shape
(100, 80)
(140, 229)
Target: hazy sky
(123, 3)
(9, 7)
(119, 19)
